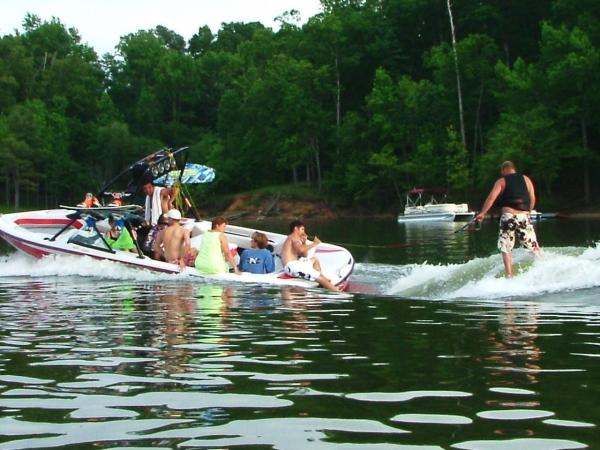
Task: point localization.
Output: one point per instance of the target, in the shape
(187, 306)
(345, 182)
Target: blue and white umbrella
(192, 174)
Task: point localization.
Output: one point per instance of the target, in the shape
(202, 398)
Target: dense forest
(362, 102)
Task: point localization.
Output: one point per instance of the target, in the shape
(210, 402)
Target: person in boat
(159, 200)
(515, 194)
(117, 199)
(296, 262)
(90, 201)
(118, 236)
(173, 243)
(257, 259)
(214, 254)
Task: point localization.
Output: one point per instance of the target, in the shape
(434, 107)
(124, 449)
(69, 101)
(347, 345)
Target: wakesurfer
(515, 194)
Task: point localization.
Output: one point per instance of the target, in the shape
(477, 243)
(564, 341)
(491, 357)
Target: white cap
(173, 214)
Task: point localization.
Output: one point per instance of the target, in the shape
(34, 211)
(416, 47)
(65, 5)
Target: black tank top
(515, 194)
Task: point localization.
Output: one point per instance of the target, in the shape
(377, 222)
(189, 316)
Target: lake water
(434, 349)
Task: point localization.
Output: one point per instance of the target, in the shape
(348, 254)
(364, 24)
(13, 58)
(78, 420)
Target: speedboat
(80, 231)
(428, 205)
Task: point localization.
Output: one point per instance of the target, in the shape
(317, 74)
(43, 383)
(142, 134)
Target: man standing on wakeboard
(516, 197)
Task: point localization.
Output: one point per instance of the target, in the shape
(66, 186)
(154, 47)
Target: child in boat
(257, 259)
(214, 250)
(90, 201)
(118, 237)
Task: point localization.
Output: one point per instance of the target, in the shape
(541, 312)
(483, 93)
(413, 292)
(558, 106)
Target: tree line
(361, 101)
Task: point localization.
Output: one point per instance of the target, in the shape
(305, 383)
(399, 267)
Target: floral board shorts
(513, 227)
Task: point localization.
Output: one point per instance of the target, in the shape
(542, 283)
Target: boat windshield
(90, 238)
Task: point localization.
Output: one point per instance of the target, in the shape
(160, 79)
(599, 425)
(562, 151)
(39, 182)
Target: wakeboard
(105, 209)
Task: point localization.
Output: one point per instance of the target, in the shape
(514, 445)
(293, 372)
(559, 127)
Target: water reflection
(172, 363)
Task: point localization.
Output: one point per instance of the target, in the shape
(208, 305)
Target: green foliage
(359, 103)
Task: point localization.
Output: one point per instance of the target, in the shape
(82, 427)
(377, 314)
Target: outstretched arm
(491, 198)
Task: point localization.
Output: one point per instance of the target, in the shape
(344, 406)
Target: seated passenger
(117, 199)
(214, 250)
(257, 259)
(118, 237)
(294, 256)
(90, 201)
(173, 242)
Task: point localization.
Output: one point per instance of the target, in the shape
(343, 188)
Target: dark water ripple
(118, 364)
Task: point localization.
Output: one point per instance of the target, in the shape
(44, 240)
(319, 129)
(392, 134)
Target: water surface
(438, 351)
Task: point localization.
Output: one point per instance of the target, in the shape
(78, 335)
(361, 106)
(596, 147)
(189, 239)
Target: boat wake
(20, 265)
(558, 269)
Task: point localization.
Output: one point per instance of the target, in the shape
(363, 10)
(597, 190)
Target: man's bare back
(175, 241)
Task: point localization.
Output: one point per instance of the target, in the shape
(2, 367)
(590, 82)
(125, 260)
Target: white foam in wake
(20, 265)
(556, 270)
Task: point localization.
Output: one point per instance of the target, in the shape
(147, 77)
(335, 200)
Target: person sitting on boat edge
(257, 259)
(294, 256)
(173, 242)
(214, 250)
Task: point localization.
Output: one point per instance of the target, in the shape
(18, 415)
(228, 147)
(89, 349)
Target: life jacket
(515, 194)
(90, 202)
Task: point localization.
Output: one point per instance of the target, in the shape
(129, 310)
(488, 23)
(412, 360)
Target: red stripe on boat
(33, 251)
(46, 222)
(323, 250)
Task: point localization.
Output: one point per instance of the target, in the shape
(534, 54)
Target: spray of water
(556, 270)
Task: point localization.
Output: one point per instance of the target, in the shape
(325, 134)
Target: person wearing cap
(173, 243)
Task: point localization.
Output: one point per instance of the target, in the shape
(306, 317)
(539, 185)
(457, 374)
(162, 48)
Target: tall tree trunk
(308, 173)
(295, 175)
(586, 163)
(507, 54)
(458, 88)
(7, 193)
(17, 189)
(338, 105)
(477, 122)
(315, 146)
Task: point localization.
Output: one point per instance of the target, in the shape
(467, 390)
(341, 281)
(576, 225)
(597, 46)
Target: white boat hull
(31, 233)
(427, 217)
(436, 212)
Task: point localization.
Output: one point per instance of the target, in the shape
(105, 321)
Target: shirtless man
(294, 256)
(173, 243)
